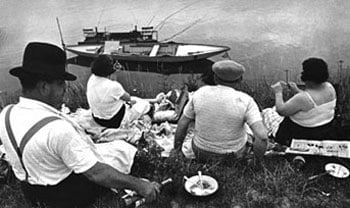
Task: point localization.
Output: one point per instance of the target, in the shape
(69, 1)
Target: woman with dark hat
(310, 112)
(106, 97)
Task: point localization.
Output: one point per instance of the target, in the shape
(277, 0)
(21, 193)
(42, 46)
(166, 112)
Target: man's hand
(149, 190)
(175, 152)
(109, 177)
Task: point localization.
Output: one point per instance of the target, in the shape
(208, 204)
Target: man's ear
(44, 88)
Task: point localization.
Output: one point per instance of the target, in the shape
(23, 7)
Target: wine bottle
(298, 162)
(133, 200)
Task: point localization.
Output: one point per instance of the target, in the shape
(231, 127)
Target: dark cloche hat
(43, 59)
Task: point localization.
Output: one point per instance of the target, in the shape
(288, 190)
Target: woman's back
(322, 102)
(322, 94)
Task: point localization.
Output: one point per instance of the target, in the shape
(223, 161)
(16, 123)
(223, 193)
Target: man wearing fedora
(56, 162)
(221, 114)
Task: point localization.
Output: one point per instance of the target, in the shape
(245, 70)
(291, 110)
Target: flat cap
(228, 70)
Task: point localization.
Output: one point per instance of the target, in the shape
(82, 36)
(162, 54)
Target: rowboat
(148, 51)
(141, 46)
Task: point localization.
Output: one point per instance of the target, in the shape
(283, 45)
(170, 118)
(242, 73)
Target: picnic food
(197, 190)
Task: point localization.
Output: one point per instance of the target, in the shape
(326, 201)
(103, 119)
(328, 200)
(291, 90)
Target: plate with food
(337, 170)
(201, 185)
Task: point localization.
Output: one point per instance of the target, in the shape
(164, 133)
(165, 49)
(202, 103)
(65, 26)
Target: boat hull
(151, 52)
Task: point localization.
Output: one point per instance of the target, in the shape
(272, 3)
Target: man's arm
(260, 134)
(109, 177)
(181, 130)
(126, 97)
(78, 154)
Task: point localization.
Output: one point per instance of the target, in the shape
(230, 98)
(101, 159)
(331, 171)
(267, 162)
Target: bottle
(133, 200)
(298, 162)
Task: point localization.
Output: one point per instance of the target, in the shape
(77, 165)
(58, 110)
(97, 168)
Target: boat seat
(112, 47)
(154, 50)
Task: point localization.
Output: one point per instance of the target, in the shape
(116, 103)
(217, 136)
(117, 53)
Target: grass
(272, 182)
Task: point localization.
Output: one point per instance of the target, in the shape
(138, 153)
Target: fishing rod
(182, 31)
(60, 31)
(162, 23)
(102, 11)
(151, 20)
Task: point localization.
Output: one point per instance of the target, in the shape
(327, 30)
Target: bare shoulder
(330, 87)
(302, 99)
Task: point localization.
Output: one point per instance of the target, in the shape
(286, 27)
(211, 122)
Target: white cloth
(130, 133)
(271, 120)
(140, 108)
(118, 154)
(54, 151)
(2, 152)
(220, 114)
(316, 116)
(103, 96)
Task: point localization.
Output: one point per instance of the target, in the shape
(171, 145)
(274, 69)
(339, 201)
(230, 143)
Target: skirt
(289, 130)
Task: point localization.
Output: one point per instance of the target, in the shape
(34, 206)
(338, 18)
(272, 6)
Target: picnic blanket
(135, 125)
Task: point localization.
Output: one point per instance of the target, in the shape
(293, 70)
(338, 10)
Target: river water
(267, 36)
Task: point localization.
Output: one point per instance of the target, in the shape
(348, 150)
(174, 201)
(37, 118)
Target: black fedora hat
(43, 60)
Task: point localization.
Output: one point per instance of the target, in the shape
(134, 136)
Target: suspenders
(35, 128)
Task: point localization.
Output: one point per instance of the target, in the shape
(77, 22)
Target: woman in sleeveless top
(310, 112)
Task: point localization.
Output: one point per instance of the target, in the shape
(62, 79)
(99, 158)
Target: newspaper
(324, 148)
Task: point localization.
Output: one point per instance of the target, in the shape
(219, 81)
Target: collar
(224, 86)
(36, 104)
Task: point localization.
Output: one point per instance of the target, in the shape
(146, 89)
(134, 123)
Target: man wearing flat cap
(57, 164)
(221, 114)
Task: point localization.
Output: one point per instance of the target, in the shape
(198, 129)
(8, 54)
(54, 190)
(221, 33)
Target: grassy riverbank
(272, 182)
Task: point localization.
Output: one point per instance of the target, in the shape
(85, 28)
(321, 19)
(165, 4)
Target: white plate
(209, 183)
(337, 170)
